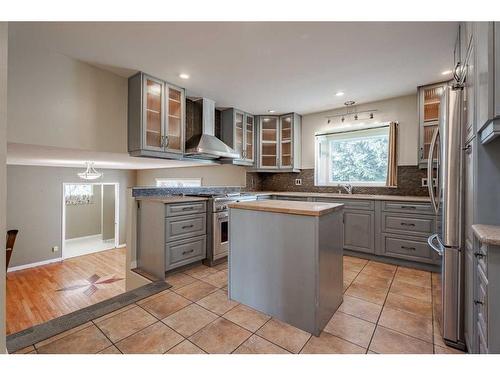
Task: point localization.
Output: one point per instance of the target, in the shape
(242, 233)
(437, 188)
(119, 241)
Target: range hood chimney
(206, 145)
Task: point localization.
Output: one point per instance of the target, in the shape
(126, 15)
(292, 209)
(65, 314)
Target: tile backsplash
(409, 183)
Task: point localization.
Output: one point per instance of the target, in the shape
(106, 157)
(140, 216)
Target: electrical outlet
(55, 249)
(298, 181)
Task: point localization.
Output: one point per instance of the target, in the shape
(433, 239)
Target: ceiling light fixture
(90, 173)
(271, 110)
(184, 76)
(446, 72)
(339, 93)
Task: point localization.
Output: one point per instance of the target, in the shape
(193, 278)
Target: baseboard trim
(74, 239)
(122, 245)
(36, 264)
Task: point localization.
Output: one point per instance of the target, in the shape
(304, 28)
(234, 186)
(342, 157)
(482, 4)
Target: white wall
(3, 177)
(402, 109)
(213, 175)
(54, 100)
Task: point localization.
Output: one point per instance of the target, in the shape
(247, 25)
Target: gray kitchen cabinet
(429, 103)
(279, 143)
(484, 314)
(238, 132)
(359, 231)
(487, 51)
(169, 235)
(156, 117)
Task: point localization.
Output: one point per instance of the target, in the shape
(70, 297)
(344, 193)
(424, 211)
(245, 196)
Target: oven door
(220, 234)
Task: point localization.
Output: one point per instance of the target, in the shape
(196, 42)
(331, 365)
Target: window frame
(345, 129)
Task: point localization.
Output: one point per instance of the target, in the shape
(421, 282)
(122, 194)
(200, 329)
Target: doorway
(90, 218)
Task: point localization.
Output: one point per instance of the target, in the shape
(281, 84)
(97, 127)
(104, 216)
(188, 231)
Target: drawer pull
(187, 252)
(408, 224)
(477, 302)
(409, 207)
(408, 248)
(187, 208)
(188, 226)
(479, 255)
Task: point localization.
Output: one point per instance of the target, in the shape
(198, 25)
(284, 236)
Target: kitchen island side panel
(330, 274)
(273, 265)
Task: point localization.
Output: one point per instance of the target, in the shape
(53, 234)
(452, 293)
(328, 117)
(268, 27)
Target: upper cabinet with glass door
(156, 112)
(429, 109)
(238, 132)
(279, 143)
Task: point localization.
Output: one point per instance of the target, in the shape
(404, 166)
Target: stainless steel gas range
(218, 224)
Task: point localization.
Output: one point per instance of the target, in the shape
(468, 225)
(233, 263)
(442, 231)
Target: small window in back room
(358, 157)
(75, 194)
(178, 182)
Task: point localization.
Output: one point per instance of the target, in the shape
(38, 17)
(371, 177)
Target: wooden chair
(11, 238)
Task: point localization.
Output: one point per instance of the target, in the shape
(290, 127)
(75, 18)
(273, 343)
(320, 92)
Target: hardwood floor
(39, 294)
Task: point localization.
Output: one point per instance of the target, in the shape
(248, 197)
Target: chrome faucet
(347, 188)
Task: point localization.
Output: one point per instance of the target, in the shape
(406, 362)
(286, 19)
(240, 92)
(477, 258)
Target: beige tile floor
(386, 309)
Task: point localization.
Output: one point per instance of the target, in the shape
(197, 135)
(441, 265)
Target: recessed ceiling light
(446, 72)
(271, 110)
(184, 76)
(340, 93)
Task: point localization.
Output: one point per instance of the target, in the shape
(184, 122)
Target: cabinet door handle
(408, 248)
(477, 302)
(409, 207)
(408, 224)
(187, 208)
(479, 255)
(188, 226)
(166, 141)
(187, 251)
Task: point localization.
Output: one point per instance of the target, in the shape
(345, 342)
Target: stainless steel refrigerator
(445, 167)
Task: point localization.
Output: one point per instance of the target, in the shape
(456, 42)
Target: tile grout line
(382, 310)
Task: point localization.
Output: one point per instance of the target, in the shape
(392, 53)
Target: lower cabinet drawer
(416, 225)
(188, 208)
(185, 226)
(186, 251)
(414, 207)
(415, 249)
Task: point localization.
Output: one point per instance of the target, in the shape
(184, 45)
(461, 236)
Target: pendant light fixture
(90, 173)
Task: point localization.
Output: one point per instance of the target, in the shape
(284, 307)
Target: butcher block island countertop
(288, 207)
(285, 259)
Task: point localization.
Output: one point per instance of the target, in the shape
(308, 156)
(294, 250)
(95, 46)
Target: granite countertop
(488, 234)
(288, 207)
(172, 199)
(405, 198)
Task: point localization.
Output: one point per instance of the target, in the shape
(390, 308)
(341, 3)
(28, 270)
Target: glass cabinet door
(286, 141)
(430, 101)
(269, 142)
(238, 133)
(249, 137)
(153, 113)
(173, 141)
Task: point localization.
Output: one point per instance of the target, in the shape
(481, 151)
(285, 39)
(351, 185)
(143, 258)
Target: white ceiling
(22, 154)
(259, 66)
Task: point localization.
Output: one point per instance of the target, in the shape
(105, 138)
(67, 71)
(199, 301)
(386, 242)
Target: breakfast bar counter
(285, 260)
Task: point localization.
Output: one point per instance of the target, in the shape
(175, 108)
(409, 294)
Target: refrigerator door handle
(430, 179)
(439, 248)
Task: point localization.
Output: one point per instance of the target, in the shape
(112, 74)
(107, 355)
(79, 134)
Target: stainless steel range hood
(206, 145)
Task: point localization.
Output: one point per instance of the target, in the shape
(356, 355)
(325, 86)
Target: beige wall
(402, 109)
(108, 212)
(3, 151)
(213, 175)
(34, 207)
(84, 219)
(54, 100)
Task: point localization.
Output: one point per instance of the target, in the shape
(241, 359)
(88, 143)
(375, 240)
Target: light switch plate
(298, 181)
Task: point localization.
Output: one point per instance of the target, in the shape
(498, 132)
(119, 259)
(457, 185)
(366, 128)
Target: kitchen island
(285, 259)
